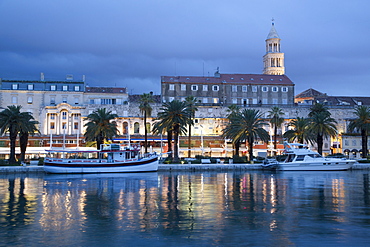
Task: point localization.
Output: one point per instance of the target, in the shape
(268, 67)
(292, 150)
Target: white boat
(301, 158)
(110, 158)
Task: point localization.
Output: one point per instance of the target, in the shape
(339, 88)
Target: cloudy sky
(131, 43)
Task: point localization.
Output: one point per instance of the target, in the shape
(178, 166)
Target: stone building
(272, 87)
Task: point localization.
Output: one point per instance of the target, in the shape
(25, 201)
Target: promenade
(172, 167)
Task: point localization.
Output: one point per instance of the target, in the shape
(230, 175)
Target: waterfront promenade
(172, 167)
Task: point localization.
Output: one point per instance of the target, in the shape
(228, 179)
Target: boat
(111, 158)
(301, 158)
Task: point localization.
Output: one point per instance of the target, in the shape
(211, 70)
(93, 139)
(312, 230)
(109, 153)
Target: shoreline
(171, 167)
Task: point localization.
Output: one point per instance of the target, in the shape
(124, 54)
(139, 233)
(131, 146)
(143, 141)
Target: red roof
(230, 79)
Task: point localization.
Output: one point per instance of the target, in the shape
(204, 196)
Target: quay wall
(170, 167)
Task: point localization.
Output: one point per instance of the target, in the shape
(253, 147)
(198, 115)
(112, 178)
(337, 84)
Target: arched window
(125, 128)
(136, 128)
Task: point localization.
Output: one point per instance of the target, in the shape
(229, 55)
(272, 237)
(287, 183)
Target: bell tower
(273, 60)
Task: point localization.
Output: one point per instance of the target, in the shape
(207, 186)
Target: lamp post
(201, 138)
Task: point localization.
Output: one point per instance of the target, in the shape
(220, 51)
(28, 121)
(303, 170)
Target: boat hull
(143, 165)
(316, 166)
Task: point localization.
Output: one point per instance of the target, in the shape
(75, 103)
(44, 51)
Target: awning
(346, 150)
(354, 150)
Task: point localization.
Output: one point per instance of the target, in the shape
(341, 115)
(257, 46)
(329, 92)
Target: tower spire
(273, 60)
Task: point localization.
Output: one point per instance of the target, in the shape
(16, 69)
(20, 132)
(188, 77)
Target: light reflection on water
(182, 209)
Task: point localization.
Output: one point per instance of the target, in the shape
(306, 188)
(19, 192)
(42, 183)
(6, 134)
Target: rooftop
(230, 79)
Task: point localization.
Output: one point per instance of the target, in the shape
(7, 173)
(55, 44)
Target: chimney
(42, 77)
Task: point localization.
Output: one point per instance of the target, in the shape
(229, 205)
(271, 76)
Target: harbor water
(179, 208)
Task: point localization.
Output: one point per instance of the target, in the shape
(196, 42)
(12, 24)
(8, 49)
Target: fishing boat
(301, 158)
(109, 159)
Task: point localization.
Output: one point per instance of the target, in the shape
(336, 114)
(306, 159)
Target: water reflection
(255, 208)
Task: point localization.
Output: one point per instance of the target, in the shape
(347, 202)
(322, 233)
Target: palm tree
(246, 125)
(146, 109)
(317, 108)
(322, 126)
(191, 102)
(234, 110)
(12, 120)
(100, 126)
(361, 123)
(299, 131)
(276, 121)
(164, 128)
(175, 114)
(28, 127)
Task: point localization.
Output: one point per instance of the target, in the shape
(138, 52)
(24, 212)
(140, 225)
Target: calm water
(186, 209)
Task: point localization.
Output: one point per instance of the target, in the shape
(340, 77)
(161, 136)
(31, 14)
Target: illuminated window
(77, 88)
(53, 87)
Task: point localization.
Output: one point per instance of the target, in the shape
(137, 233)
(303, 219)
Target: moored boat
(110, 158)
(301, 158)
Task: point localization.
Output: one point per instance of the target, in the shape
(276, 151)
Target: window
(215, 100)
(65, 88)
(76, 101)
(52, 125)
(75, 124)
(245, 102)
(64, 125)
(244, 88)
(254, 89)
(234, 88)
(52, 100)
(284, 89)
(194, 87)
(30, 86)
(14, 99)
(53, 88)
(285, 101)
(215, 88)
(254, 101)
(64, 115)
(52, 116)
(171, 99)
(75, 116)
(136, 128)
(264, 89)
(15, 86)
(183, 87)
(205, 100)
(171, 87)
(235, 101)
(205, 87)
(77, 88)
(64, 99)
(274, 101)
(29, 100)
(92, 101)
(264, 101)
(274, 89)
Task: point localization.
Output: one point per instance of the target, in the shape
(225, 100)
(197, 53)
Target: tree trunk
(275, 137)
(145, 134)
(169, 143)
(250, 149)
(189, 140)
(237, 148)
(320, 142)
(13, 138)
(23, 141)
(364, 143)
(176, 130)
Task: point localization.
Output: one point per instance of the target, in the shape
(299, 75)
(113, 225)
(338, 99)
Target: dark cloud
(133, 43)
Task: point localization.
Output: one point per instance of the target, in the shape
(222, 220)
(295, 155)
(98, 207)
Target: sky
(132, 43)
